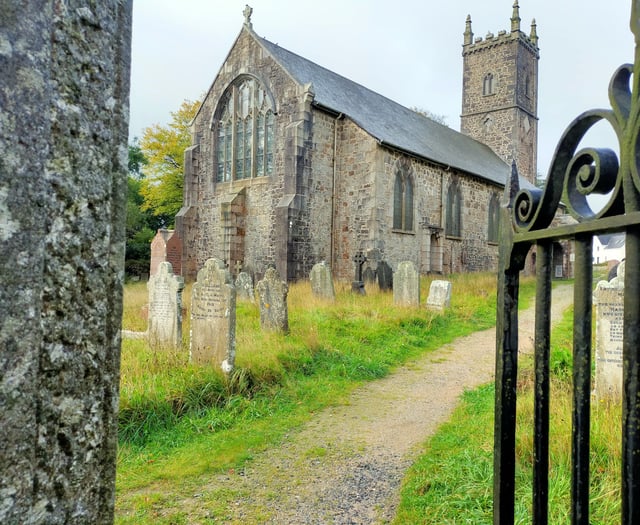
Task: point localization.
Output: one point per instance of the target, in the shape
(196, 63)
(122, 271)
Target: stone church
(292, 164)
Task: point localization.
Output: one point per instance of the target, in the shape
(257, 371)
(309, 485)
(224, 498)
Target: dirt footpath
(346, 465)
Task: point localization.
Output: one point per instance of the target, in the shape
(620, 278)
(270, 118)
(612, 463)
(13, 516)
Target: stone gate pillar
(64, 94)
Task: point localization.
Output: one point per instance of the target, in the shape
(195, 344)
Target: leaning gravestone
(273, 292)
(608, 299)
(165, 308)
(213, 317)
(244, 287)
(64, 91)
(385, 276)
(322, 281)
(406, 285)
(369, 275)
(439, 295)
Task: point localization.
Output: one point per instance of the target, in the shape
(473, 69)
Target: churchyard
(171, 410)
(182, 423)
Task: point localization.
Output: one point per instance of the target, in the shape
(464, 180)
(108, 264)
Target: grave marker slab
(213, 317)
(274, 315)
(165, 308)
(244, 287)
(608, 299)
(322, 281)
(406, 285)
(385, 276)
(439, 295)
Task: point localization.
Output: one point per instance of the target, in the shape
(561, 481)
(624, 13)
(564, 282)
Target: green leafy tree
(163, 147)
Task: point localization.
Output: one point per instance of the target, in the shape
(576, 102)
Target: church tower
(500, 93)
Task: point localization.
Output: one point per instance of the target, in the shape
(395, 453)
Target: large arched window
(403, 200)
(453, 225)
(493, 230)
(245, 123)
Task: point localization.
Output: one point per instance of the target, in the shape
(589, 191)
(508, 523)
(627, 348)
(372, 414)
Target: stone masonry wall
(64, 94)
(507, 119)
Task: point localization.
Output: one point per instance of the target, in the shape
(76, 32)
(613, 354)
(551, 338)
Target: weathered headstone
(213, 317)
(322, 281)
(357, 285)
(369, 275)
(165, 308)
(608, 299)
(439, 295)
(166, 246)
(244, 287)
(385, 276)
(64, 90)
(406, 285)
(274, 315)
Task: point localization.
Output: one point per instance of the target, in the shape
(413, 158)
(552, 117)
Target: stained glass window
(453, 224)
(403, 201)
(244, 137)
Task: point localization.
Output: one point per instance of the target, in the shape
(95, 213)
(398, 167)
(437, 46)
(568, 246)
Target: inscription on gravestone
(165, 307)
(213, 317)
(608, 299)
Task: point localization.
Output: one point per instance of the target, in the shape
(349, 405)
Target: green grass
(452, 481)
(179, 422)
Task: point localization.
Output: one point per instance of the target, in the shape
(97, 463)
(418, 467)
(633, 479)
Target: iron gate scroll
(526, 222)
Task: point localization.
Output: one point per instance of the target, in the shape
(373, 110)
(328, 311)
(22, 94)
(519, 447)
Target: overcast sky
(406, 50)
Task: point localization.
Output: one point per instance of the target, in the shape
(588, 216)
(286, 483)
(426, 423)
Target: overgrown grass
(452, 482)
(178, 421)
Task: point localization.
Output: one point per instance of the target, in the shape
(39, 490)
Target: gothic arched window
(403, 200)
(245, 122)
(453, 225)
(493, 230)
(488, 84)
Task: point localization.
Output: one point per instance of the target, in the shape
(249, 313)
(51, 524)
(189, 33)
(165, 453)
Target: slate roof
(391, 123)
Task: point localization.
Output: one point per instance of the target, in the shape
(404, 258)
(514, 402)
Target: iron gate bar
(544, 253)
(581, 421)
(526, 220)
(631, 378)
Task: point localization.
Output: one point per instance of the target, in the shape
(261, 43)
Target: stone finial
(534, 33)
(248, 11)
(468, 33)
(512, 187)
(515, 17)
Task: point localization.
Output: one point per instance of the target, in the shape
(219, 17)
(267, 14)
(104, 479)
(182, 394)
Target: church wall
(257, 227)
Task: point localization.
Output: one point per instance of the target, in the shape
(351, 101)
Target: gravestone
(165, 308)
(213, 317)
(357, 285)
(406, 287)
(64, 91)
(322, 281)
(166, 246)
(244, 287)
(273, 292)
(439, 295)
(608, 299)
(385, 276)
(369, 275)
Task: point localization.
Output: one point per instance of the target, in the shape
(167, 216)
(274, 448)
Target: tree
(440, 119)
(163, 147)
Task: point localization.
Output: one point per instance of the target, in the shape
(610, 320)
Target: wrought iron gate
(526, 222)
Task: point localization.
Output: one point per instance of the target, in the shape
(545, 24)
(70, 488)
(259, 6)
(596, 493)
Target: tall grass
(452, 481)
(179, 420)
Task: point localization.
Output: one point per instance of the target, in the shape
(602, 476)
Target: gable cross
(247, 15)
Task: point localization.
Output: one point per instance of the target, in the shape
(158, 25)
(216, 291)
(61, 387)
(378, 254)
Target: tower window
(488, 84)
(244, 136)
(453, 224)
(403, 201)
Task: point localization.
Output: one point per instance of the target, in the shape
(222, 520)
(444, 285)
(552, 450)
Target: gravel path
(346, 465)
